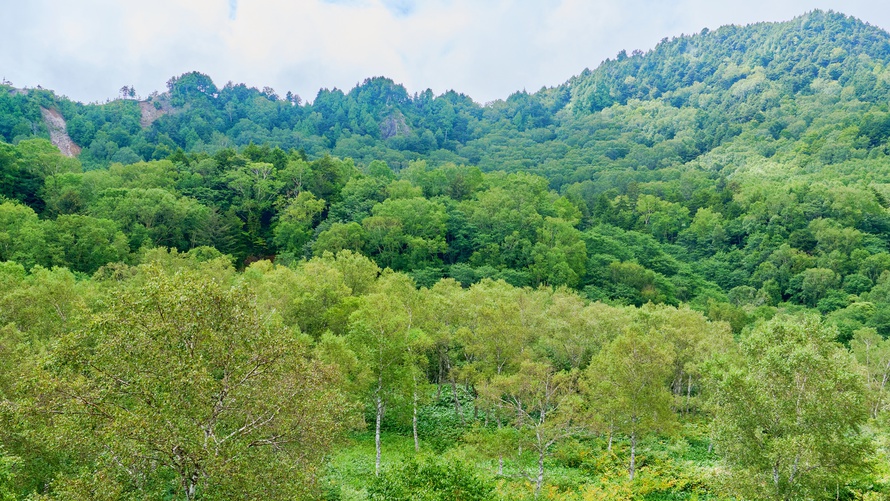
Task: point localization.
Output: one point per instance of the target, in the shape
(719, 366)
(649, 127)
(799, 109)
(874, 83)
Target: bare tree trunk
(611, 428)
(519, 442)
(416, 441)
(377, 430)
(676, 389)
(500, 451)
(633, 454)
(880, 400)
(457, 410)
(688, 393)
(192, 486)
(540, 480)
(439, 378)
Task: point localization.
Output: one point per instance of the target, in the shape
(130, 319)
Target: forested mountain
(723, 194)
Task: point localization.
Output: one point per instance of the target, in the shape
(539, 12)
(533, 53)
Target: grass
(669, 468)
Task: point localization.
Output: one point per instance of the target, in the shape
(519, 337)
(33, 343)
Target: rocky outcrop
(394, 125)
(58, 132)
(153, 110)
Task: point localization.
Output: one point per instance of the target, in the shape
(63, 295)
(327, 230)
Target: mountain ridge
(743, 61)
(758, 43)
(683, 189)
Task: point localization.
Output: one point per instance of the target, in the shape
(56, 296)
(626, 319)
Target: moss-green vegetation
(666, 279)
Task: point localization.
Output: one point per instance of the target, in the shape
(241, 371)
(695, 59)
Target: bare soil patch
(58, 132)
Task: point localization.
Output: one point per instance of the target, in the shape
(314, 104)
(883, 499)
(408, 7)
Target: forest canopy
(667, 278)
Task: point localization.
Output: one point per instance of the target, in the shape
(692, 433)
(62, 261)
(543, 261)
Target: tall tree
(384, 335)
(295, 223)
(789, 416)
(873, 353)
(182, 385)
(628, 386)
(545, 403)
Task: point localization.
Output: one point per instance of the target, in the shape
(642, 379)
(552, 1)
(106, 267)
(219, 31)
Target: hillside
(706, 222)
(739, 159)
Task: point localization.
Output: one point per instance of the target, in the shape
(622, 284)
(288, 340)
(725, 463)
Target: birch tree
(788, 418)
(545, 404)
(694, 341)
(873, 353)
(384, 335)
(445, 306)
(181, 378)
(627, 386)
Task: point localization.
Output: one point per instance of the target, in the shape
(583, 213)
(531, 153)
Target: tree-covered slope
(733, 169)
(792, 54)
(667, 278)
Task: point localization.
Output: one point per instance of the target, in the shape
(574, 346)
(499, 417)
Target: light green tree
(407, 233)
(694, 341)
(545, 404)
(384, 335)
(182, 386)
(445, 307)
(22, 235)
(627, 386)
(295, 222)
(559, 256)
(788, 416)
(339, 237)
(46, 303)
(571, 333)
(873, 353)
(86, 243)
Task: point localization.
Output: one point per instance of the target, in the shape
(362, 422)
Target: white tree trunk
(633, 455)
(611, 427)
(540, 480)
(377, 431)
(192, 489)
(416, 441)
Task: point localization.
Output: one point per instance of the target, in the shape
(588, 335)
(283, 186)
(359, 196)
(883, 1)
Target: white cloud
(486, 48)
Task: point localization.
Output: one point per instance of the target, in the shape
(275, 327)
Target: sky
(487, 49)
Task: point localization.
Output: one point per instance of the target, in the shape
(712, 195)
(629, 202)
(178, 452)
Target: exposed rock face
(394, 125)
(152, 111)
(58, 132)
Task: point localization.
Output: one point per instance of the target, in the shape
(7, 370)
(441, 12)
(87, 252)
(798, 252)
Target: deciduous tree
(183, 386)
(628, 386)
(788, 416)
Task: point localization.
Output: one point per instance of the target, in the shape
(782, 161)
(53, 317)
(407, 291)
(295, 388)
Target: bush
(431, 479)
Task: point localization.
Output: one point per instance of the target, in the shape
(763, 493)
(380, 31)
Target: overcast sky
(88, 49)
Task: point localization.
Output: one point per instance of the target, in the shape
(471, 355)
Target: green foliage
(439, 424)
(7, 463)
(656, 196)
(789, 416)
(22, 236)
(182, 385)
(700, 189)
(431, 479)
(295, 223)
(873, 353)
(627, 386)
